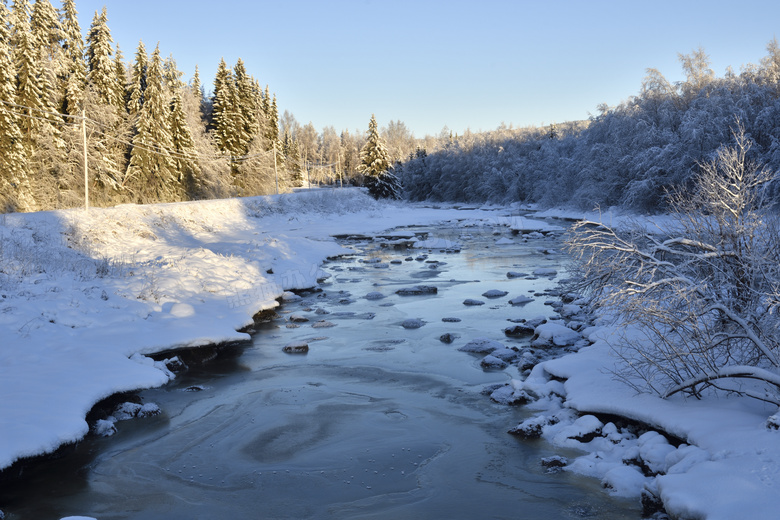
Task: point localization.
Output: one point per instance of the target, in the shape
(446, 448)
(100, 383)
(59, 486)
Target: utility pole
(341, 178)
(276, 174)
(86, 170)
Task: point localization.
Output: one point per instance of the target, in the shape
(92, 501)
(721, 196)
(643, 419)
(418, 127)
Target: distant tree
(376, 168)
(399, 140)
(698, 73)
(292, 160)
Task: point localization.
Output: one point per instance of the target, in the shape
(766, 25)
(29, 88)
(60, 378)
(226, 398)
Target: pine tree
(15, 190)
(151, 167)
(375, 166)
(74, 68)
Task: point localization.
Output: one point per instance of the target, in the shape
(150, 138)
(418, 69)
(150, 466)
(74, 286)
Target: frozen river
(375, 421)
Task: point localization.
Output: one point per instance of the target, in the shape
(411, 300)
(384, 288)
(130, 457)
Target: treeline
(627, 155)
(150, 137)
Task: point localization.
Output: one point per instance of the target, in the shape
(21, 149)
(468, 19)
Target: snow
(728, 465)
(85, 297)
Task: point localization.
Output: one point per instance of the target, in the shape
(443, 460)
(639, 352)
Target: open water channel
(375, 421)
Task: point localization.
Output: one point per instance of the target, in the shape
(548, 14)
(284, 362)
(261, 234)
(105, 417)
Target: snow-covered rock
(554, 334)
(412, 323)
(494, 293)
(481, 346)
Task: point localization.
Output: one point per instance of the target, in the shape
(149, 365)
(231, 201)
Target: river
(375, 421)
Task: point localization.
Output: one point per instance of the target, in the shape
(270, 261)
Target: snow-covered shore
(86, 296)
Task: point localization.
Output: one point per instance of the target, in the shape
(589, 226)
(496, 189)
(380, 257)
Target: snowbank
(727, 465)
(84, 296)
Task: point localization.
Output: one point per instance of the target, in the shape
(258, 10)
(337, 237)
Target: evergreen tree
(15, 190)
(47, 37)
(172, 76)
(197, 90)
(247, 125)
(120, 79)
(102, 71)
(152, 169)
(375, 166)
(138, 80)
(74, 68)
(292, 156)
(222, 108)
(28, 84)
(184, 156)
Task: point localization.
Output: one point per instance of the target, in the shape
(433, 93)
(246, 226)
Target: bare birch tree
(699, 297)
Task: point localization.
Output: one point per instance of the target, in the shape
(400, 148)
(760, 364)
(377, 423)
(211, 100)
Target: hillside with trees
(628, 155)
(145, 135)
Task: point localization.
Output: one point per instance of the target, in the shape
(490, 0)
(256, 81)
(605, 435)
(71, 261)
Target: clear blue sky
(430, 63)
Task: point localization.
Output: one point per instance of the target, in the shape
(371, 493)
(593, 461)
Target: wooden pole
(276, 174)
(86, 170)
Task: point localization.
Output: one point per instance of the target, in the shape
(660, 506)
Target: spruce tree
(183, 145)
(221, 111)
(28, 84)
(138, 80)
(74, 68)
(120, 79)
(47, 37)
(102, 71)
(247, 125)
(151, 167)
(375, 166)
(15, 191)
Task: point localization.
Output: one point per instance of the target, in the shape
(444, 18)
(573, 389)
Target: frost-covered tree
(700, 298)
(152, 168)
(375, 166)
(138, 80)
(74, 67)
(225, 114)
(15, 190)
(101, 74)
(183, 147)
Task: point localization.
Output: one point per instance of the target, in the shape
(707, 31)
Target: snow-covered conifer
(375, 166)
(152, 169)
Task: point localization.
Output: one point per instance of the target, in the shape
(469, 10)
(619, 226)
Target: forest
(72, 108)
(629, 155)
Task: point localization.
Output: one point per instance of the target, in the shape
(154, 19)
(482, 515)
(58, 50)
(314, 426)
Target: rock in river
(296, 348)
(417, 290)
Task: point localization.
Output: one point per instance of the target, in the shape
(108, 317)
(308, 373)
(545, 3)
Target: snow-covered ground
(86, 296)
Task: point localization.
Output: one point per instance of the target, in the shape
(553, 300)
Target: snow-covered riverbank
(84, 297)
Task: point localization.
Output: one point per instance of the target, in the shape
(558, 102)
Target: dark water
(376, 421)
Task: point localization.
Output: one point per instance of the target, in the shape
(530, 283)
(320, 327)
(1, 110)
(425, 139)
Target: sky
(433, 63)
